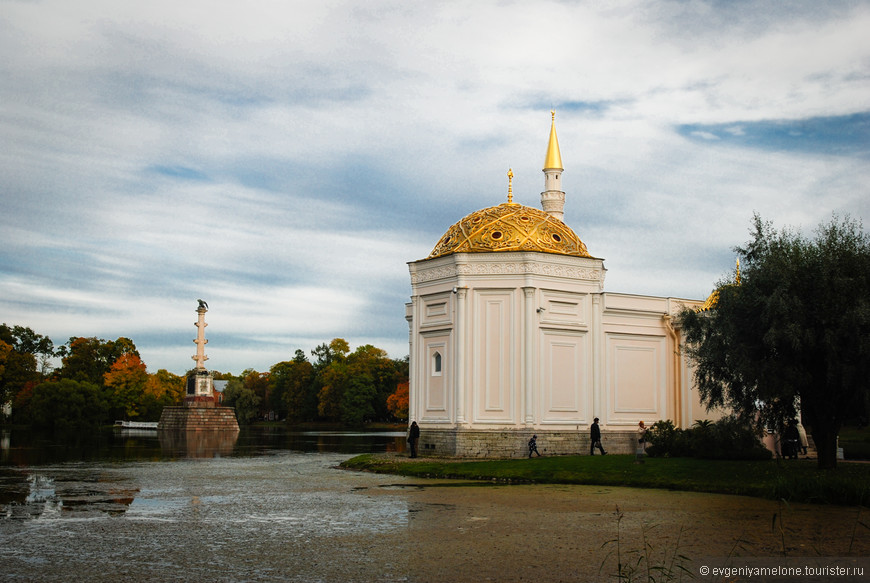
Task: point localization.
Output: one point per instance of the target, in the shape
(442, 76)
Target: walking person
(804, 442)
(533, 446)
(641, 442)
(595, 438)
(413, 436)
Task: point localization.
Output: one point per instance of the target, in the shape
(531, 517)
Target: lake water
(263, 505)
(272, 505)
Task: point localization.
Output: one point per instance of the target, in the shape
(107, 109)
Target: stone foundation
(513, 443)
(198, 419)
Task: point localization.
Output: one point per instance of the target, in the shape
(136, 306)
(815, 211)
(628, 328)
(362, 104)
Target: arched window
(436, 364)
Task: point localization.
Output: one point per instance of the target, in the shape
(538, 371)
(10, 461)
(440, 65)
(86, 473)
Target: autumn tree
(398, 402)
(88, 359)
(791, 334)
(125, 384)
(165, 388)
(20, 352)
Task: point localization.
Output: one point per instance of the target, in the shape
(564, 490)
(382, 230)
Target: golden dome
(711, 302)
(510, 227)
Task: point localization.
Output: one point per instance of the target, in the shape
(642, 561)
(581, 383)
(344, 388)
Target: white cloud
(284, 160)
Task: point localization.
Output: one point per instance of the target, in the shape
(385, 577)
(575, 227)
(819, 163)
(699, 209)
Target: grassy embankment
(790, 480)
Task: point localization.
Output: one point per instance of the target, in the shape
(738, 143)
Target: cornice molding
(470, 265)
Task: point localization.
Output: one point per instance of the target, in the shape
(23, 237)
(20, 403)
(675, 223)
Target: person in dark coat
(790, 441)
(595, 438)
(533, 446)
(413, 436)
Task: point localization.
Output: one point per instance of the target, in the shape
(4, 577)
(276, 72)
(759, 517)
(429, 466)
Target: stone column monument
(199, 385)
(200, 341)
(200, 411)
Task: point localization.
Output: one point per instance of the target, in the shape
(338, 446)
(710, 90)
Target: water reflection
(27, 448)
(54, 492)
(198, 444)
(43, 477)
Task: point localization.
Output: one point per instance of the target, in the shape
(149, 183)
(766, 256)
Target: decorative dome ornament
(510, 227)
(713, 299)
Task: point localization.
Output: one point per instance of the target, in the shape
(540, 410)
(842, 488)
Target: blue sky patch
(844, 135)
(178, 172)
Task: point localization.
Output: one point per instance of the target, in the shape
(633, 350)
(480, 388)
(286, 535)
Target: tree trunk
(826, 447)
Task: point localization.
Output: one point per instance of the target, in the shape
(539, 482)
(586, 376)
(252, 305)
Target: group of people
(594, 440)
(794, 440)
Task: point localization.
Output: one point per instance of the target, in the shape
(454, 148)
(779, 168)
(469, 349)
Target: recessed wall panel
(566, 378)
(434, 374)
(493, 341)
(636, 376)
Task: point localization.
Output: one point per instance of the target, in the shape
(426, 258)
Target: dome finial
(510, 186)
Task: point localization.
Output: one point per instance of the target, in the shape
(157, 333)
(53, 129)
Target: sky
(285, 160)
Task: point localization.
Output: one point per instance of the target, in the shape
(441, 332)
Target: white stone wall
(529, 342)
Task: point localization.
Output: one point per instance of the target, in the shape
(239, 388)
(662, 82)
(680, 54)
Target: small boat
(146, 425)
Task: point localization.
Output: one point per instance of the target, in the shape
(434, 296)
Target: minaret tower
(553, 198)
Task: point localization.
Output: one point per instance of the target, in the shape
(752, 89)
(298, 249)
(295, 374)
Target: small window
(436, 364)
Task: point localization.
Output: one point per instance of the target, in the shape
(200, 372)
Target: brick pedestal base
(198, 418)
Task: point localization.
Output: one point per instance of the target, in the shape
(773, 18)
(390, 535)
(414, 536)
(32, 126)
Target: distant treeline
(101, 381)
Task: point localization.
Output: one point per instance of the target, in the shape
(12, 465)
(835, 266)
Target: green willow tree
(790, 332)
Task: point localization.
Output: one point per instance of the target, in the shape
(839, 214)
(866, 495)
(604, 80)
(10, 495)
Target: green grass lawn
(791, 480)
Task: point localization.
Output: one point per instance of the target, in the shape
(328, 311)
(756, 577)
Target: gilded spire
(554, 157)
(510, 186)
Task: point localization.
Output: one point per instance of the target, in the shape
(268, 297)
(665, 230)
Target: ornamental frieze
(506, 268)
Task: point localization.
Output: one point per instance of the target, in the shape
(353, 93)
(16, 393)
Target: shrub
(664, 439)
(728, 438)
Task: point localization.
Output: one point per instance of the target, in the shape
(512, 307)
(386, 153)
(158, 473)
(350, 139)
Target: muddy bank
(560, 533)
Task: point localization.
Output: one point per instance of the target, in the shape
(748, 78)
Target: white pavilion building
(512, 334)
